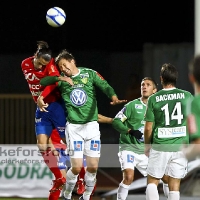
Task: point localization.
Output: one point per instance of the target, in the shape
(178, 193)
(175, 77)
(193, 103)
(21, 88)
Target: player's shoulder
(184, 91)
(85, 69)
(27, 62)
(196, 99)
(133, 102)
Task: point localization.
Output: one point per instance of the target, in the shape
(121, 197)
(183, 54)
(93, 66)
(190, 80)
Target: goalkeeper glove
(136, 133)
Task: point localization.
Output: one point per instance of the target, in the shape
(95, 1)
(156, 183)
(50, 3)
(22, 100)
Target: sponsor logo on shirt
(31, 77)
(84, 80)
(86, 75)
(138, 106)
(172, 132)
(52, 69)
(78, 97)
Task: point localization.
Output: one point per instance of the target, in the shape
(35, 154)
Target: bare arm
(193, 150)
(104, 119)
(147, 137)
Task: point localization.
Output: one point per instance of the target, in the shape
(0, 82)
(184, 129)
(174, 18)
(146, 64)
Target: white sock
(174, 195)
(122, 191)
(90, 181)
(166, 189)
(152, 192)
(71, 180)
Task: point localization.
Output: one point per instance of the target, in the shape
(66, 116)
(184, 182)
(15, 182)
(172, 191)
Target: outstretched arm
(116, 101)
(104, 119)
(49, 80)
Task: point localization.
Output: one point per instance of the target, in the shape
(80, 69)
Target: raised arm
(49, 80)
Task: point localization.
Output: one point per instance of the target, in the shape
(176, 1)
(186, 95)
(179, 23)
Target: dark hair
(152, 80)
(169, 74)
(43, 51)
(64, 54)
(194, 68)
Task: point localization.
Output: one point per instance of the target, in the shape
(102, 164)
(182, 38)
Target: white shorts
(173, 164)
(83, 139)
(130, 160)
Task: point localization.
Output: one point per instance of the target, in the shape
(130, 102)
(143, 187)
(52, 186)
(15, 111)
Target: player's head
(148, 87)
(194, 70)
(43, 55)
(66, 63)
(168, 74)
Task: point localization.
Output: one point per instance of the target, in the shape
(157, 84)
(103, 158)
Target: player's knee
(128, 179)
(76, 170)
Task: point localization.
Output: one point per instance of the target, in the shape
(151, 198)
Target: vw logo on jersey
(78, 97)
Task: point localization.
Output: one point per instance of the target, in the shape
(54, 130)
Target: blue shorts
(64, 160)
(45, 122)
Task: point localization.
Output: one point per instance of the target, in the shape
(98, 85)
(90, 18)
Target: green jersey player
(129, 122)
(82, 130)
(192, 151)
(165, 132)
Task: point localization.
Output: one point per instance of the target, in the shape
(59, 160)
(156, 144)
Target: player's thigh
(93, 147)
(42, 123)
(141, 163)
(42, 141)
(74, 140)
(127, 160)
(92, 162)
(57, 116)
(157, 163)
(92, 140)
(177, 167)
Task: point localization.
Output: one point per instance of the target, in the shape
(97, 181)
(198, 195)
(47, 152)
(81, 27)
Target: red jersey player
(34, 68)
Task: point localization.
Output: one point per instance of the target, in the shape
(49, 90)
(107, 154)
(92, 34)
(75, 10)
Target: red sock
(54, 195)
(94, 189)
(81, 173)
(51, 162)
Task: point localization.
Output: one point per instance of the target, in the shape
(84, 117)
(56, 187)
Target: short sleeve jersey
(167, 109)
(194, 118)
(132, 116)
(33, 77)
(80, 99)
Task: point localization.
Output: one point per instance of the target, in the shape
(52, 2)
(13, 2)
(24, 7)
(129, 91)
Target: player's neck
(168, 86)
(144, 100)
(75, 72)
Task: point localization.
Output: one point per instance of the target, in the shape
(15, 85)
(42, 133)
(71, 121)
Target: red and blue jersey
(34, 76)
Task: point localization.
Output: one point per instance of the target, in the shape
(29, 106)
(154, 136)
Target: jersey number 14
(175, 115)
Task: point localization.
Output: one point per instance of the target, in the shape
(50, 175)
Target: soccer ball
(55, 17)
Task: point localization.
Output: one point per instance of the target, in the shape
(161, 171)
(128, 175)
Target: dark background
(106, 25)
(99, 34)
